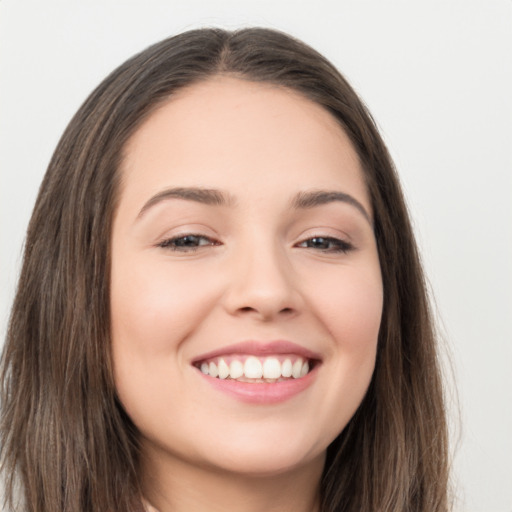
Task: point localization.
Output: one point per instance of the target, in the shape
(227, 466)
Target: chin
(268, 464)
(266, 454)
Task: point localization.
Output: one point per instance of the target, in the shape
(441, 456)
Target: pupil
(319, 242)
(187, 241)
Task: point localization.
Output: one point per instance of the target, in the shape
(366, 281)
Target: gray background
(437, 76)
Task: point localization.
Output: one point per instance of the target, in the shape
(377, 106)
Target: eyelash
(173, 243)
(335, 245)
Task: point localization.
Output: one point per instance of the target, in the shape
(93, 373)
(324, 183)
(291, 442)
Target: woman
(221, 304)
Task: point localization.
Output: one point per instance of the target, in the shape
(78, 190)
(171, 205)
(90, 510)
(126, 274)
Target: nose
(263, 285)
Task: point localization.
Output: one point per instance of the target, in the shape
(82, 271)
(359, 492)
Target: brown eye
(326, 244)
(188, 242)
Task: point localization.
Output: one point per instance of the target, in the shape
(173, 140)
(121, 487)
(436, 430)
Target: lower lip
(262, 393)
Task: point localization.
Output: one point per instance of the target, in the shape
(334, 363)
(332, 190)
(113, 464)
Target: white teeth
(264, 369)
(305, 369)
(223, 369)
(286, 369)
(253, 368)
(296, 368)
(271, 368)
(212, 369)
(236, 369)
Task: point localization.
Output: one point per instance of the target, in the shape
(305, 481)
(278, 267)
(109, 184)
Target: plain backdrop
(437, 76)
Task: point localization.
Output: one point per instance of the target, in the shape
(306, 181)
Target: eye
(326, 244)
(185, 243)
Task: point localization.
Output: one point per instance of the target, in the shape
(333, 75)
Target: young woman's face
(246, 291)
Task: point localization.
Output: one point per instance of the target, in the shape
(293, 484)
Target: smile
(259, 373)
(249, 368)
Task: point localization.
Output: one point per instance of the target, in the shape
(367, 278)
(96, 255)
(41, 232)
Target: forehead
(224, 131)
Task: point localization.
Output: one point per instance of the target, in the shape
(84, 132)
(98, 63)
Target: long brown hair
(66, 441)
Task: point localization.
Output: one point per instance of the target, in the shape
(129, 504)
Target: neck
(180, 487)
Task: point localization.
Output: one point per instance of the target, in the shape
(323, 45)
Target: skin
(261, 272)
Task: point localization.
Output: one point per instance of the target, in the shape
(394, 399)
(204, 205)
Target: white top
(148, 507)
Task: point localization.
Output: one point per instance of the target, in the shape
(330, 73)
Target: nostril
(247, 309)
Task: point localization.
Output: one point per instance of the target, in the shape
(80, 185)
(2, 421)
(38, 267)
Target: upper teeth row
(253, 368)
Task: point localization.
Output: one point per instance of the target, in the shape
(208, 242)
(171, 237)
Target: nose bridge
(262, 279)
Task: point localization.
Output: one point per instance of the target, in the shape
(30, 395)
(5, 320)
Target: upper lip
(260, 348)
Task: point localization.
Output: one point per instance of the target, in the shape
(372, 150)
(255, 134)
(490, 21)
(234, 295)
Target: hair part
(65, 437)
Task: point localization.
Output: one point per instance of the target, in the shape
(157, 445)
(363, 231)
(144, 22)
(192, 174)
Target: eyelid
(183, 227)
(169, 242)
(339, 245)
(325, 232)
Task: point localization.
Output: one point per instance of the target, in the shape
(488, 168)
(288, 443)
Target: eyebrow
(207, 196)
(214, 197)
(305, 200)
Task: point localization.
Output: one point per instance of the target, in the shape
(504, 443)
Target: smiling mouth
(252, 369)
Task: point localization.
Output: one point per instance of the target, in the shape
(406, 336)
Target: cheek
(356, 330)
(356, 315)
(154, 307)
(351, 311)
(350, 305)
